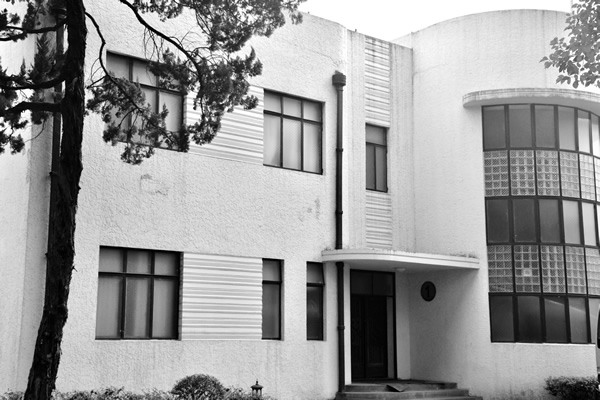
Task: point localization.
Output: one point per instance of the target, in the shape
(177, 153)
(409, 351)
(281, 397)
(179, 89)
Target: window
(542, 187)
(292, 133)
(137, 71)
(271, 299)
(138, 294)
(315, 284)
(376, 155)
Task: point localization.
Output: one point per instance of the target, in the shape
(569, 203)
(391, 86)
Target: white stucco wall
(190, 203)
(24, 190)
(450, 337)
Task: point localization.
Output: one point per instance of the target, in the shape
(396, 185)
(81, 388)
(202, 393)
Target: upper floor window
(138, 294)
(376, 158)
(292, 133)
(157, 96)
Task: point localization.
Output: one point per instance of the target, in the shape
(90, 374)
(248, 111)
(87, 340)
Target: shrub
(198, 387)
(11, 396)
(572, 388)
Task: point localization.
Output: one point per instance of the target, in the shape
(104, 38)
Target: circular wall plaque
(428, 291)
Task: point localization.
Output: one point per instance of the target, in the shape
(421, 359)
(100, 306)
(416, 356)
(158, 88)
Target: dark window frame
(587, 150)
(309, 284)
(156, 89)
(374, 166)
(279, 284)
(152, 276)
(282, 116)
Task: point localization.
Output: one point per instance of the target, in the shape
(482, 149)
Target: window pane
(108, 311)
(383, 284)
(164, 318)
(370, 164)
(556, 321)
(524, 220)
(118, 65)
(151, 99)
(270, 311)
(566, 128)
(589, 224)
(501, 309)
(272, 102)
(136, 308)
(583, 130)
(292, 144)
(314, 273)
(381, 168)
(138, 261)
(272, 141)
(166, 263)
(375, 134)
(314, 312)
(578, 313)
(292, 107)
(493, 128)
(312, 111)
(271, 270)
(549, 221)
(142, 74)
(361, 283)
(312, 148)
(519, 118)
(544, 126)
(530, 325)
(571, 222)
(175, 106)
(111, 260)
(497, 220)
(595, 135)
(594, 307)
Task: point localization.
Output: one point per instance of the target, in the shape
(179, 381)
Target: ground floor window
(138, 294)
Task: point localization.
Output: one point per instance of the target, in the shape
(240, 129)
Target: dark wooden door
(369, 332)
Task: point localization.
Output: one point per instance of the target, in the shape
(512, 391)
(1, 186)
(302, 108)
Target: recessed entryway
(372, 325)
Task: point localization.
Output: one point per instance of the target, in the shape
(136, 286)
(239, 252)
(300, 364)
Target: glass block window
(569, 174)
(586, 168)
(500, 268)
(548, 178)
(496, 173)
(527, 272)
(522, 173)
(575, 269)
(553, 269)
(592, 257)
(542, 221)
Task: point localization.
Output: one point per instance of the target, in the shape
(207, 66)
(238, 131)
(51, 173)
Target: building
(469, 243)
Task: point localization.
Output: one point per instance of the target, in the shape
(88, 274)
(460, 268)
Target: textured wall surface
(450, 337)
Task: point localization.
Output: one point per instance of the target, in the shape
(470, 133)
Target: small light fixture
(257, 390)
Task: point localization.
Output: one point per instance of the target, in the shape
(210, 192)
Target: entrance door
(372, 325)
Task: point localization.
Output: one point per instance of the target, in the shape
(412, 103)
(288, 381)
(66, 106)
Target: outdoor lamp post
(257, 390)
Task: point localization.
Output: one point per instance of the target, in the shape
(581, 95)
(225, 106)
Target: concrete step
(407, 395)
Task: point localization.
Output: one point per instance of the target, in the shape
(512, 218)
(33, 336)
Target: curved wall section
(541, 208)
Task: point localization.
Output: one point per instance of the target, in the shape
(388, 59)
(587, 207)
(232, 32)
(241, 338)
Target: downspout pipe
(339, 81)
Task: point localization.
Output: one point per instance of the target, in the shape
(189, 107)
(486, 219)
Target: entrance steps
(404, 390)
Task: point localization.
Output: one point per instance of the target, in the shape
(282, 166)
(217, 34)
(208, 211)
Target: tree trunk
(63, 206)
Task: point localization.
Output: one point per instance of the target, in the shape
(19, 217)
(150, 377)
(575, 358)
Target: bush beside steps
(573, 388)
(193, 387)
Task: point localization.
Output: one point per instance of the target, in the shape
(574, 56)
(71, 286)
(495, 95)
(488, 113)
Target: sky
(389, 19)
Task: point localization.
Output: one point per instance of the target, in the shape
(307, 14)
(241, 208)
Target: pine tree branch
(160, 34)
(5, 83)
(32, 106)
(25, 32)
